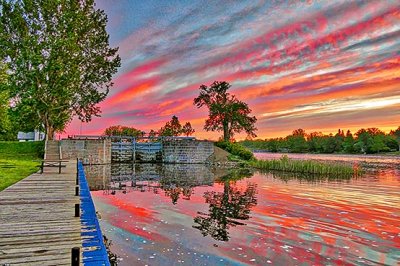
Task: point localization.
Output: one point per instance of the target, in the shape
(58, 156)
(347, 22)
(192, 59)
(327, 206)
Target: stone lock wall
(100, 151)
(187, 151)
(89, 151)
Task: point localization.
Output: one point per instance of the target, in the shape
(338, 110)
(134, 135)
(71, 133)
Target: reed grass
(307, 167)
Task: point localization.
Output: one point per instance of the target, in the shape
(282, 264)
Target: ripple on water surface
(166, 215)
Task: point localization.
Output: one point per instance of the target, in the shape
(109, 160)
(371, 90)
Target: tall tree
(364, 140)
(226, 112)
(59, 57)
(378, 144)
(187, 129)
(171, 128)
(396, 134)
(348, 143)
(152, 133)
(123, 131)
(297, 141)
(315, 141)
(5, 124)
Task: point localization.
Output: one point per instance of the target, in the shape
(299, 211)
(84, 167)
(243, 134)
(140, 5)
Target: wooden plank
(37, 223)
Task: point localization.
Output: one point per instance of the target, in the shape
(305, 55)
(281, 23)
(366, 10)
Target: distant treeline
(370, 140)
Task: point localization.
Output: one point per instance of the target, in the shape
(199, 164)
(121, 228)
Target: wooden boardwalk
(37, 219)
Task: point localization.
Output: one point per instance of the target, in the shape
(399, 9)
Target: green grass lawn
(18, 160)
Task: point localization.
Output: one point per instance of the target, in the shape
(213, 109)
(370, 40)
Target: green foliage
(153, 133)
(307, 167)
(59, 59)
(226, 112)
(297, 141)
(370, 140)
(378, 144)
(348, 143)
(17, 160)
(187, 129)
(396, 135)
(123, 131)
(33, 149)
(171, 128)
(235, 149)
(391, 142)
(5, 122)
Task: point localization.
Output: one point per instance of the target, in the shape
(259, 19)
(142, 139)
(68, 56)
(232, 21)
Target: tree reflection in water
(175, 187)
(233, 203)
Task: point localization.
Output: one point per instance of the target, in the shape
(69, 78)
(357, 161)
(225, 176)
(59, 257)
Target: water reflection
(226, 207)
(175, 180)
(158, 215)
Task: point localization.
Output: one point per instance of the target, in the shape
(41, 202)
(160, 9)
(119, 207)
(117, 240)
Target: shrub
(18, 149)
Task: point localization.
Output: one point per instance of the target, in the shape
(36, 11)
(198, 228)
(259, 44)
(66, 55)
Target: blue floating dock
(94, 251)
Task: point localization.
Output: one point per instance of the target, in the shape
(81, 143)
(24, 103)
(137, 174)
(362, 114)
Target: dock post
(77, 191)
(77, 210)
(75, 256)
(77, 171)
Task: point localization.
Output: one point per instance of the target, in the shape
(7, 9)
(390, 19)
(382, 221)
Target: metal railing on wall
(129, 138)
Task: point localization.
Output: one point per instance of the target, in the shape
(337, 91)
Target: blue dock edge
(94, 251)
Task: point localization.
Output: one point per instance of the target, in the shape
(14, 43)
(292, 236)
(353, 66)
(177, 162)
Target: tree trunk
(226, 132)
(50, 133)
(49, 129)
(46, 129)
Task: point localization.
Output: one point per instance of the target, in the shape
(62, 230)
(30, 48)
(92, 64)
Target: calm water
(186, 214)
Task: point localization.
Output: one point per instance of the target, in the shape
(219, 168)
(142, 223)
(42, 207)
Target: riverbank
(240, 157)
(18, 160)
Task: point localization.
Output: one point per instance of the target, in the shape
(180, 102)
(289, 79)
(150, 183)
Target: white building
(30, 136)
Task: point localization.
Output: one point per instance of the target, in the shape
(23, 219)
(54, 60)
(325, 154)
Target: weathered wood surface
(37, 223)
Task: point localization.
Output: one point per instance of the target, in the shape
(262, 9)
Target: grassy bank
(18, 160)
(237, 151)
(313, 167)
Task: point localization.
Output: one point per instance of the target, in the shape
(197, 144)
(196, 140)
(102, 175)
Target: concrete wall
(89, 151)
(187, 151)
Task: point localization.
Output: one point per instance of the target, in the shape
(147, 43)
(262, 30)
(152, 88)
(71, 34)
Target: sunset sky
(317, 65)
